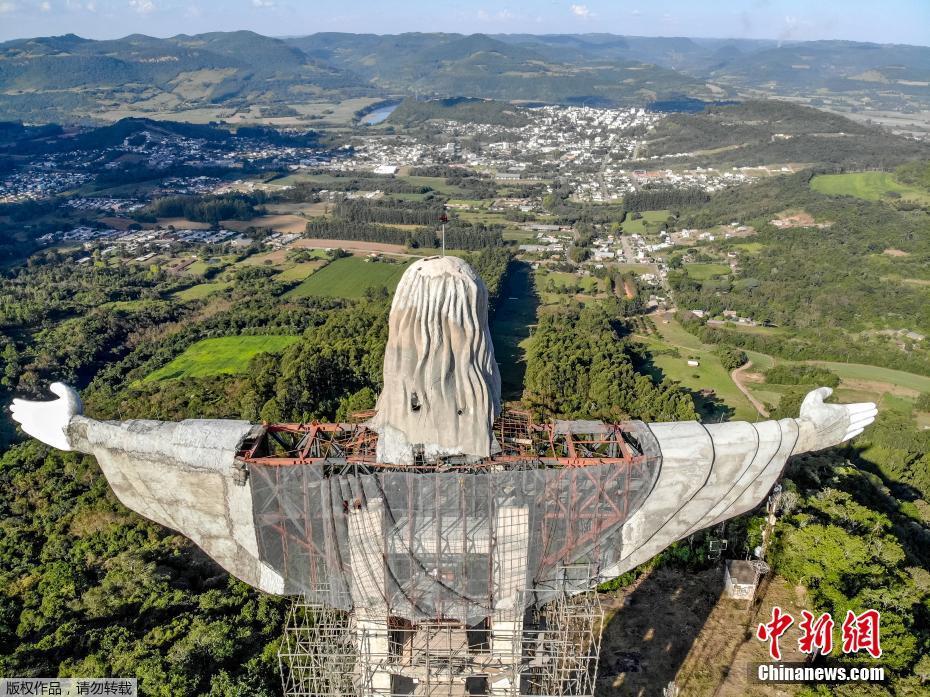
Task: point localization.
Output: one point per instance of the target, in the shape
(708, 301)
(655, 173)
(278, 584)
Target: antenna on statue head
(444, 219)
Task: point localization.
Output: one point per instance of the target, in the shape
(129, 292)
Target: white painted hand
(835, 423)
(48, 421)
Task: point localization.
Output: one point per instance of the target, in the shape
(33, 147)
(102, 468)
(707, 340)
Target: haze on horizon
(892, 21)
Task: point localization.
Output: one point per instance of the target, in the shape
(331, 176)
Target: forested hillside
(834, 288)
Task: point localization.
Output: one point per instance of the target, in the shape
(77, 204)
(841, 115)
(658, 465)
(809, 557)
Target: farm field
(278, 257)
(354, 245)
(871, 186)
(349, 277)
(299, 272)
(638, 269)
(200, 267)
(227, 355)
(280, 222)
(874, 373)
(750, 247)
(561, 280)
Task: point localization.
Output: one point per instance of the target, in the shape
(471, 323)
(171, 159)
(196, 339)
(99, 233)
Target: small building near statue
(741, 578)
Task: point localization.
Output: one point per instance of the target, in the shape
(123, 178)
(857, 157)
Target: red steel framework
(592, 497)
(559, 444)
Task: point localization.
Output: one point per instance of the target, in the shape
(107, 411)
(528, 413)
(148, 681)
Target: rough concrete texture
(441, 383)
(715, 472)
(180, 475)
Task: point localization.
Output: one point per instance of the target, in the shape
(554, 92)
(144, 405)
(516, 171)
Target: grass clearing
(874, 373)
(709, 374)
(649, 224)
(872, 186)
(201, 291)
(893, 390)
(638, 269)
(299, 272)
(705, 272)
(227, 355)
(282, 222)
(350, 277)
(561, 280)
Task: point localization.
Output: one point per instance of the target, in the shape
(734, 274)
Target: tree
(731, 358)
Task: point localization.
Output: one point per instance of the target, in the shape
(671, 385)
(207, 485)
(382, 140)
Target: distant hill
(507, 68)
(412, 112)
(611, 69)
(68, 78)
(768, 132)
(838, 65)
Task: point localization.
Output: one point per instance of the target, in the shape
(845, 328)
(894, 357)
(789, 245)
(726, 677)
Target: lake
(379, 115)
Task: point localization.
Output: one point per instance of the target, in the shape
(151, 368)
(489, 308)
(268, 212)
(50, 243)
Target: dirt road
(737, 379)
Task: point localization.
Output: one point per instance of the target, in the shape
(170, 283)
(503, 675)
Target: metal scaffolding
(448, 577)
(549, 651)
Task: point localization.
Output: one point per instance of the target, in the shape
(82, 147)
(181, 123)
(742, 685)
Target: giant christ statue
(439, 525)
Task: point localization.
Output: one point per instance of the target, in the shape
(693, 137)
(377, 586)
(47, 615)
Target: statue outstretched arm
(178, 474)
(713, 472)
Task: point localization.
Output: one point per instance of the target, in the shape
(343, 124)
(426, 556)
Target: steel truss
(351, 446)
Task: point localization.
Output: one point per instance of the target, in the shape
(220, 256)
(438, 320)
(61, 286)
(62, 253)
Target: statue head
(441, 383)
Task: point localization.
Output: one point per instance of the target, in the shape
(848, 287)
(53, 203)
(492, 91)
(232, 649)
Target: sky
(882, 21)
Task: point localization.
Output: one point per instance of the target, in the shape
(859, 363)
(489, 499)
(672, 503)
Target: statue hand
(48, 421)
(835, 423)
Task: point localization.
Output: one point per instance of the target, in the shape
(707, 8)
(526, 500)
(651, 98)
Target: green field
(200, 291)
(874, 373)
(517, 235)
(199, 268)
(871, 186)
(638, 269)
(227, 355)
(349, 277)
(298, 272)
(649, 224)
(891, 389)
(704, 272)
(562, 280)
(709, 374)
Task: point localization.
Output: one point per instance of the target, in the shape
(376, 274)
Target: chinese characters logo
(859, 632)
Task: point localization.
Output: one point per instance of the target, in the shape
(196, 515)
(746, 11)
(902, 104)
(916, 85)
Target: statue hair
(441, 381)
